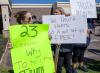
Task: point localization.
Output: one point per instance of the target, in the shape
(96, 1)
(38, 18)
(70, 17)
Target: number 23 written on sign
(27, 30)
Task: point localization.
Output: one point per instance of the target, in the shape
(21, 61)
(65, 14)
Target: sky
(39, 1)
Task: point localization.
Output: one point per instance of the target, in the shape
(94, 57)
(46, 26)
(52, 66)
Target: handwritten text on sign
(67, 29)
(84, 7)
(31, 52)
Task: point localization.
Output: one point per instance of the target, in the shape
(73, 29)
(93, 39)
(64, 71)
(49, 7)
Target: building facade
(43, 9)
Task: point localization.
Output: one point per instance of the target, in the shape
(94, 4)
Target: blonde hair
(61, 10)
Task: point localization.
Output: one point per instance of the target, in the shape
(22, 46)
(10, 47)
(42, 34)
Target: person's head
(24, 17)
(59, 11)
(34, 17)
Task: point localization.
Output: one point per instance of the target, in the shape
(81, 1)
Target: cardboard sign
(31, 52)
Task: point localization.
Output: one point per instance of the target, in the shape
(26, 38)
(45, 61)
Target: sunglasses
(30, 18)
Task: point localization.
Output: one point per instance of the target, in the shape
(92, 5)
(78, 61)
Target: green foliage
(3, 70)
(93, 66)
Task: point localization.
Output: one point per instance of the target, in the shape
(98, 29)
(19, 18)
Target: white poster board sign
(84, 7)
(70, 29)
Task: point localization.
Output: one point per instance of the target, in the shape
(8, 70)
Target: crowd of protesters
(71, 56)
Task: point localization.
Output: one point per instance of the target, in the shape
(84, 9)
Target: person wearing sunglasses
(24, 17)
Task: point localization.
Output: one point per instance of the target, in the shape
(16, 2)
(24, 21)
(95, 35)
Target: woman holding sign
(22, 17)
(79, 49)
(65, 50)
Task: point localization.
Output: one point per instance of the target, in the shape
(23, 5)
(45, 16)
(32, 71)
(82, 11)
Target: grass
(79, 71)
(3, 70)
(93, 66)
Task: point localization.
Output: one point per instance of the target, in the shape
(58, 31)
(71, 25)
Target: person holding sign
(22, 17)
(79, 49)
(65, 50)
(30, 46)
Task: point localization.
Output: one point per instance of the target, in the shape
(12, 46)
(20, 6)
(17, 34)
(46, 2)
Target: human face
(57, 12)
(28, 18)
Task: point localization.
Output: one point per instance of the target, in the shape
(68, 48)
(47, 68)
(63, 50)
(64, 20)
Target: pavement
(93, 50)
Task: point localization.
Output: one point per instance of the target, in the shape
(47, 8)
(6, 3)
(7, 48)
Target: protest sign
(84, 7)
(71, 29)
(31, 52)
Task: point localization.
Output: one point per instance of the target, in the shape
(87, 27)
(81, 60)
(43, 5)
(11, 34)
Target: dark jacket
(63, 47)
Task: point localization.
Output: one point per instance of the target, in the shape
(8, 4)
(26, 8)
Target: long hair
(20, 16)
(61, 10)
